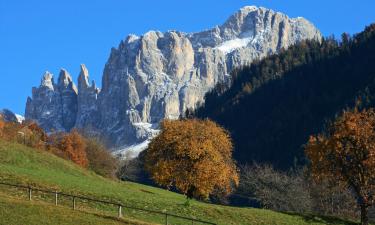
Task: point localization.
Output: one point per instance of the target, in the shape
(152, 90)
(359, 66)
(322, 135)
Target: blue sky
(40, 35)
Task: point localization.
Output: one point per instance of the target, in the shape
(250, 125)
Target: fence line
(119, 205)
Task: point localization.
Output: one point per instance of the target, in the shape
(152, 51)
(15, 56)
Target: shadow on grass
(311, 218)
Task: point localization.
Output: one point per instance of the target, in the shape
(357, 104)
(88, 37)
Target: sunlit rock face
(160, 75)
(54, 105)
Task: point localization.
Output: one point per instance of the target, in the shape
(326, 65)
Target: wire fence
(58, 198)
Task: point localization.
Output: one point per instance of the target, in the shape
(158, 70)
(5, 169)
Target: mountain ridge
(275, 104)
(160, 75)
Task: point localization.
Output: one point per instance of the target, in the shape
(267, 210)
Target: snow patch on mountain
(20, 118)
(249, 8)
(132, 151)
(159, 75)
(231, 45)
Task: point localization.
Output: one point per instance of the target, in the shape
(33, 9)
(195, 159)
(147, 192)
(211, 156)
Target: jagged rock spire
(47, 80)
(64, 78)
(83, 78)
(165, 74)
(66, 81)
(93, 84)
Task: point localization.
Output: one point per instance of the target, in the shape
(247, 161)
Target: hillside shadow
(311, 218)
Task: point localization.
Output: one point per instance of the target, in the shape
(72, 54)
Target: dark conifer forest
(272, 106)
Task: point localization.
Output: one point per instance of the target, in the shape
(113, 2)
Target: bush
(295, 191)
(330, 199)
(2, 124)
(71, 146)
(275, 190)
(100, 159)
(131, 170)
(28, 133)
(10, 131)
(35, 136)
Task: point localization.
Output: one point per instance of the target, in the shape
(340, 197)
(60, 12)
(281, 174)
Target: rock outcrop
(87, 108)
(160, 75)
(53, 106)
(9, 116)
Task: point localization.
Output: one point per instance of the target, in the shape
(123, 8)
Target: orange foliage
(10, 130)
(27, 133)
(34, 135)
(346, 154)
(36, 129)
(2, 124)
(70, 146)
(73, 147)
(195, 156)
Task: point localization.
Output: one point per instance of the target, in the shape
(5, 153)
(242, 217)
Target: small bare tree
(275, 190)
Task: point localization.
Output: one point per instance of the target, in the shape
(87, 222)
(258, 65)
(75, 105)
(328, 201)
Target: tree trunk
(364, 214)
(190, 192)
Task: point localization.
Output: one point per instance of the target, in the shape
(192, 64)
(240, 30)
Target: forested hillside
(273, 105)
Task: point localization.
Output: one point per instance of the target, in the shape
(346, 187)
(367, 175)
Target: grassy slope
(14, 211)
(19, 164)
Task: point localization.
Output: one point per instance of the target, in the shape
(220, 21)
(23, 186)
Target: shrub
(100, 159)
(275, 190)
(295, 191)
(131, 170)
(72, 146)
(330, 199)
(2, 124)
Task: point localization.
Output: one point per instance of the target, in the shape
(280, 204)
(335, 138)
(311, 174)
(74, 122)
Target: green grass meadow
(27, 166)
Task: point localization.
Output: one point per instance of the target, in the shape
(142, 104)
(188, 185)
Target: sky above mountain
(40, 35)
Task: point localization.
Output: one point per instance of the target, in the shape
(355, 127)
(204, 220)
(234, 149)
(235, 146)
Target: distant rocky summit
(9, 116)
(160, 75)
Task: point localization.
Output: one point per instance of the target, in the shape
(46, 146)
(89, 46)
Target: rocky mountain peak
(159, 75)
(83, 78)
(65, 81)
(242, 21)
(9, 116)
(249, 8)
(93, 85)
(47, 80)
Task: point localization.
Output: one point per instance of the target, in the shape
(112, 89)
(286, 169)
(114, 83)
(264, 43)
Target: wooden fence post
(119, 211)
(29, 190)
(166, 219)
(29, 193)
(74, 203)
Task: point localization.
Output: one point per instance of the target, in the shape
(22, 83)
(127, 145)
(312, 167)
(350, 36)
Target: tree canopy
(194, 156)
(73, 147)
(346, 155)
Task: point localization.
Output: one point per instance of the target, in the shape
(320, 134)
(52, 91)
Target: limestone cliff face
(54, 106)
(87, 105)
(159, 75)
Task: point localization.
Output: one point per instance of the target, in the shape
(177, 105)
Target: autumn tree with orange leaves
(73, 147)
(2, 124)
(345, 154)
(194, 156)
